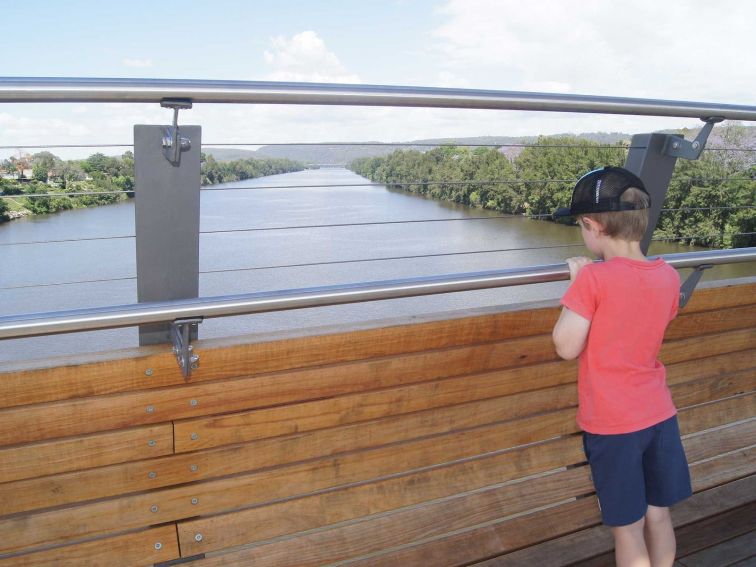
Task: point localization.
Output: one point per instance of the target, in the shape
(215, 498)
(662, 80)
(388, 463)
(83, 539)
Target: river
(37, 277)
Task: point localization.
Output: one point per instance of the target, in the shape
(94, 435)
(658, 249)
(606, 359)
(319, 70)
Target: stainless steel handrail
(48, 89)
(223, 306)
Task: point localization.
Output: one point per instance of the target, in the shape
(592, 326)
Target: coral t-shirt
(621, 383)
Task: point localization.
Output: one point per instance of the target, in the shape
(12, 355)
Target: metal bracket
(181, 335)
(677, 146)
(686, 289)
(173, 143)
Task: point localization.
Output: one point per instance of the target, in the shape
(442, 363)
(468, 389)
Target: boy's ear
(593, 225)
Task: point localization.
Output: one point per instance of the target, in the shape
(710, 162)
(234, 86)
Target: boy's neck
(612, 247)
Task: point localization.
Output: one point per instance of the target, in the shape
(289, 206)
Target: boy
(614, 316)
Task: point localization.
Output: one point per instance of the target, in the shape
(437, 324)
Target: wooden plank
(707, 345)
(256, 424)
(33, 423)
(247, 426)
(125, 372)
(39, 422)
(723, 469)
(712, 442)
(166, 471)
(710, 366)
(726, 553)
(721, 295)
(707, 322)
(132, 477)
(718, 413)
(147, 547)
(698, 543)
(359, 539)
(470, 492)
(713, 388)
(216, 496)
(581, 546)
(78, 453)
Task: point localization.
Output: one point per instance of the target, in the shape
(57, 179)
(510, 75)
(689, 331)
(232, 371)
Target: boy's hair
(625, 225)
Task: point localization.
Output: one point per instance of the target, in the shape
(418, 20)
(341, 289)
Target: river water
(38, 277)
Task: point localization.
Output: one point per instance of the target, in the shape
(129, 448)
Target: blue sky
(678, 49)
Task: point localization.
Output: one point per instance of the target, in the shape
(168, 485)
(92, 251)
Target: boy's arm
(570, 334)
(571, 330)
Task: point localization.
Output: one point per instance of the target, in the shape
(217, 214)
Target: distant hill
(344, 153)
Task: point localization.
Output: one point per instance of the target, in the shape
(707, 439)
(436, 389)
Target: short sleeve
(582, 295)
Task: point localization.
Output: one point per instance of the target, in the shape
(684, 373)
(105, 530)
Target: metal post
(647, 160)
(167, 222)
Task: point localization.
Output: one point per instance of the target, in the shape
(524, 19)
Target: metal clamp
(173, 143)
(677, 146)
(686, 289)
(181, 335)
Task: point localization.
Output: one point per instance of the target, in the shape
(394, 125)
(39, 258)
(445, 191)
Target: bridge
(448, 439)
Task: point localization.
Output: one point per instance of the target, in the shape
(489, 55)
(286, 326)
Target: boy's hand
(576, 264)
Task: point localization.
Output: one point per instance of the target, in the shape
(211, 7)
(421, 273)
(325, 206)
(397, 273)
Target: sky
(697, 50)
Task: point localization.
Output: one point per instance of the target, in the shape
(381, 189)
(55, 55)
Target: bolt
(148, 372)
(695, 145)
(150, 409)
(194, 366)
(675, 145)
(193, 468)
(158, 545)
(195, 436)
(154, 509)
(193, 403)
(198, 538)
(152, 474)
(195, 501)
(152, 442)
(190, 348)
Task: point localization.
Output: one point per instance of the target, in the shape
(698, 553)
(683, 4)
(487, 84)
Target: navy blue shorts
(632, 470)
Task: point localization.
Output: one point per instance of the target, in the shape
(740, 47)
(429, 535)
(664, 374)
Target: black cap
(600, 191)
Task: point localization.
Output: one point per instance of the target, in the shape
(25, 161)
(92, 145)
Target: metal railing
(246, 304)
(651, 156)
(13, 89)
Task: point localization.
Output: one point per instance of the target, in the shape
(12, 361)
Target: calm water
(261, 260)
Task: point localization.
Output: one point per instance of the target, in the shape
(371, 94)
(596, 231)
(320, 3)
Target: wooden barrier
(441, 442)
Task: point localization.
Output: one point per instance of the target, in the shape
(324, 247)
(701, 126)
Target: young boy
(614, 316)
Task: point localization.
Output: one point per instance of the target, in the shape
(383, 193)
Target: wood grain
(78, 453)
(147, 547)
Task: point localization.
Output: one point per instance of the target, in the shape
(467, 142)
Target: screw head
(148, 372)
(154, 508)
(152, 474)
(158, 545)
(197, 537)
(152, 442)
(193, 403)
(195, 436)
(195, 501)
(150, 409)
(194, 366)
(193, 468)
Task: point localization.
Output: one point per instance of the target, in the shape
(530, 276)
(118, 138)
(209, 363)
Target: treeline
(99, 174)
(62, 180)
(214, 172)
(709, 196)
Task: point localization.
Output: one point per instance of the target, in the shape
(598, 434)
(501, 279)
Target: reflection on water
(282, 251)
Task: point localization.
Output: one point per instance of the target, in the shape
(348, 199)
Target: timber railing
(441, 442)
(438, 440)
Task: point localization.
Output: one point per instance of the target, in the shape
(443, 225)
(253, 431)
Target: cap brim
(562, 212)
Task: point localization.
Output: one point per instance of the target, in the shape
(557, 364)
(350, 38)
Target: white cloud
(305, 57)
(138, 63)
(678, 49)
